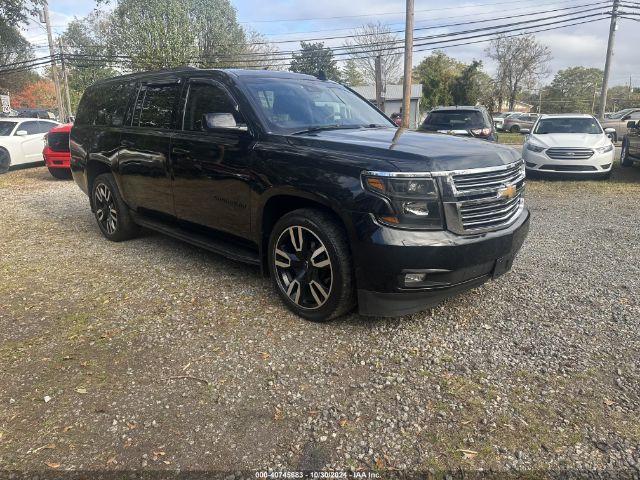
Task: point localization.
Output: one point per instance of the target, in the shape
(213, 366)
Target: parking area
(152, 353)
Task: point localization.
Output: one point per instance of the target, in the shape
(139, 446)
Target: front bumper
(598, 164)
(452, 263)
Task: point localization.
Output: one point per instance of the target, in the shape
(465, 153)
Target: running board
(227, 249)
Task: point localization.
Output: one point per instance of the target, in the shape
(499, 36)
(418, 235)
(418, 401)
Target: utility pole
(408, 65)
(607, 65)
(54, 70)
(540, 100)
(379, 101)
(65, 79)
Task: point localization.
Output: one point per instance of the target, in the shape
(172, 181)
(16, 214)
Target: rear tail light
(481, 132)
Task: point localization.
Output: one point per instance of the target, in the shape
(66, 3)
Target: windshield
(296, 105)
(621, 113)
(455, 120)
(6, 128)
(568, 125)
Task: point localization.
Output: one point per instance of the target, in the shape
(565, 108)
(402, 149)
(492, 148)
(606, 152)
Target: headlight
(415, 201)
(605, 149)
(534, 148)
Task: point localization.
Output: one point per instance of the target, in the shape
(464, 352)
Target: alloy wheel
(106, 212)
(303, 267)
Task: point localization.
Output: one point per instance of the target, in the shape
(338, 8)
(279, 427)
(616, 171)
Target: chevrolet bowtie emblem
(508, 192)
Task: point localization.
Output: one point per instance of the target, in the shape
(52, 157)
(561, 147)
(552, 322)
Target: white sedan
(574, 144)
(22, 140)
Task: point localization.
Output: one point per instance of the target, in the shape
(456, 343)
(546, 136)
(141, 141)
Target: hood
(570, 140)
(411, 151)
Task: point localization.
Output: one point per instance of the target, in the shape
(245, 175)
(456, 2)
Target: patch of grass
(510, 138)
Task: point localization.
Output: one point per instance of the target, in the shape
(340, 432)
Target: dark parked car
(304, 178)
(462, 121)
(631, 144)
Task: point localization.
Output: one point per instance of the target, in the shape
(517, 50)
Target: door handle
(126, 143)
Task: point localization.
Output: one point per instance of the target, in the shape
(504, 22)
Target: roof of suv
(231, 71)
(566, 115)
(458, 107)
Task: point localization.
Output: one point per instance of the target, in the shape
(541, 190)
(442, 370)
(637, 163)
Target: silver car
(618, 121)
(521, 123)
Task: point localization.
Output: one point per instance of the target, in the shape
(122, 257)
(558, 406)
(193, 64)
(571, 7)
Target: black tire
(106, 201)
(60, 173)
(515, 129)
(625, 159)
(5, 160)
(323, 292)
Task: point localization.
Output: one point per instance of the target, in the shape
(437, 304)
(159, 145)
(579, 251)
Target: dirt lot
(153, 354)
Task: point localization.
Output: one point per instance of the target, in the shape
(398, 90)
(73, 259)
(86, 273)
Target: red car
(56, 151)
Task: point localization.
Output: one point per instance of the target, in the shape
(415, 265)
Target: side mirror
(632, 124)
(22, 133)
(224, 121)
(610, 132)
(525, 130)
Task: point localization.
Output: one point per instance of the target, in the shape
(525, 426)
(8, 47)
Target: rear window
(455, 120)
(58, 141)
(105, 105)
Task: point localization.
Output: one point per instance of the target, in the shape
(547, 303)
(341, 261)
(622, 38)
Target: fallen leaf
(132, 426)
(278, 415)
(52, 465)
(265, 355)
(166, 462)
(81, 391)
(51, 446)
(111, 460)
(343, 422)
(608, 402)
(379, 463)
(159, 454)
(468, 454)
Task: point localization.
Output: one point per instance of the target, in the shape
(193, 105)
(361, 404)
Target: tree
(313, 59)
(14, 48)
(40, 94)
(466, 89)
(521, 62)
(573, 89)
(352, 75)
(437, 73)
(13, 12)
(89, 35)
(171, 33)
(369, 41)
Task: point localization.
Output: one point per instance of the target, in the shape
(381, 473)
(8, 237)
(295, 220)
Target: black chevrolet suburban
(304, 178)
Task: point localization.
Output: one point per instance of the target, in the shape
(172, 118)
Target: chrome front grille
(484, 199)
(569, 153)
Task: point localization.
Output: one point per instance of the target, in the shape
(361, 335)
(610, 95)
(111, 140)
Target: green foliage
(352, 75)
(573, 90)
(466, 89)
(13, 12)
(313, 59)
(438, 74)
(14, 48)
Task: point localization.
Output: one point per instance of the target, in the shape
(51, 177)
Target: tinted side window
(154, 108)
(206, 98)
(44, 127)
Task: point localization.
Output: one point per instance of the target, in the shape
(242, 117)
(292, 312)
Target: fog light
(413, 278)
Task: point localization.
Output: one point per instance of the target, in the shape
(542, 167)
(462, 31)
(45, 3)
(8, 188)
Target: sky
(582, 45)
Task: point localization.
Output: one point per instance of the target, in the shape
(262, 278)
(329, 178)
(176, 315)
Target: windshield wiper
(320, 128)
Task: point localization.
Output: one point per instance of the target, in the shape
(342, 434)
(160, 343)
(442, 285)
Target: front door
(33, 142)
(143, 157)
(212, 183)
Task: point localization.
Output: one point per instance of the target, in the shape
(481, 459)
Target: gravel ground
(152, 354)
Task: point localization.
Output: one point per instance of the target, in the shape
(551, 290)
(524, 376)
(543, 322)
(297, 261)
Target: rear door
(211, 166)
(144, 152)
(634, 138)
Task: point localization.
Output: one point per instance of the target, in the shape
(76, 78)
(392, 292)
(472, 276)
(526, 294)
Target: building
(519, 107)
(393, 100)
